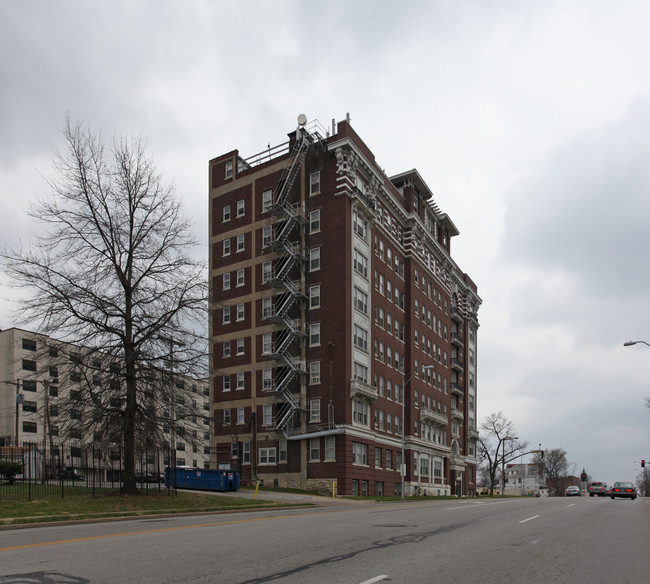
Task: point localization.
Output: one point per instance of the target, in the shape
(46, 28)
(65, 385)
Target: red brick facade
(332, 285)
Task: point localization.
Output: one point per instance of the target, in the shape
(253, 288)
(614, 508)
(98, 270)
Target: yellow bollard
(257, 486)
(333, 489)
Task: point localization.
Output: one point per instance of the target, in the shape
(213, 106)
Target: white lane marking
(529, 519)
(535, 541)
(571, 505)
(375, 579)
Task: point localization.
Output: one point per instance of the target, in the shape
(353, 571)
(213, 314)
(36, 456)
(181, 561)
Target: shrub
(10, 470)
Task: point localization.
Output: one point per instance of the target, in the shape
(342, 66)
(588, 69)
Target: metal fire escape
(288, 279)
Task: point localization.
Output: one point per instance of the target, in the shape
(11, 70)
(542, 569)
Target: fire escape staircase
(290, 296)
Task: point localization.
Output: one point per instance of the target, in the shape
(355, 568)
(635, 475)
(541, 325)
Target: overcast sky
(530, 121)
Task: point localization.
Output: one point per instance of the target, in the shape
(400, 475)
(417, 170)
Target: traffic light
(643, 463)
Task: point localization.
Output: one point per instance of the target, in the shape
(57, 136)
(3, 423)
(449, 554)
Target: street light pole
(403, 464)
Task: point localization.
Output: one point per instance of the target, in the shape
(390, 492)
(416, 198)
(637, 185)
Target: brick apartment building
(342, 331)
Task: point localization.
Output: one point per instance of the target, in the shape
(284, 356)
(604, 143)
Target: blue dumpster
(202, 479)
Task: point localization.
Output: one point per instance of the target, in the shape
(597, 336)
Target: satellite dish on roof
(302, 119)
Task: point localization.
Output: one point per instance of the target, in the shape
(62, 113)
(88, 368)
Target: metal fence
(66, 470)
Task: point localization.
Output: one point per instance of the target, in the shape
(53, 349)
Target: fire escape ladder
(287, 243)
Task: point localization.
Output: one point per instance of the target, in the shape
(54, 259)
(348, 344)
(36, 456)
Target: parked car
(70, 474)
(573, 492)
(598, 489)
(624, 489)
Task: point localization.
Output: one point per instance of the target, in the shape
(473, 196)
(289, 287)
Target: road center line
(529, 519)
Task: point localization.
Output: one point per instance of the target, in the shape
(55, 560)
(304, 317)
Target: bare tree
(112, 272)
(497, 446)
(555, 467)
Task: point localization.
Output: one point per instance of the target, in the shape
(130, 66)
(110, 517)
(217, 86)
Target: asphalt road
(546, 540)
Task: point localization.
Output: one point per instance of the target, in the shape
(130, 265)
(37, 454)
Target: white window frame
(267, 415)
(314, 221)
(314, 410)
(359, 454)
(314, 183)
(228, 168)
(314, 259)
(241, 208)
(241, 242)
(226, 281)
(225, 213)
(314, 372)
(314, 296)
(267, 271)
(314, 334)
(225, 247)
(267, 456)
(330, 448)
(267, 200)
(241, 277)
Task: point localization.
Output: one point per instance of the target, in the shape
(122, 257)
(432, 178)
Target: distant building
(333, 285)
(524, 479)
(49, 392)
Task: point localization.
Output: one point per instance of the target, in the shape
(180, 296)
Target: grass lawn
(112, 504)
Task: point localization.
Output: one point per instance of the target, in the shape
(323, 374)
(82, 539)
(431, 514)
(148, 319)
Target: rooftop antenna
(302, 120)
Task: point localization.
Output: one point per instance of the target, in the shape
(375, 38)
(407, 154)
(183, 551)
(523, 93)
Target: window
(226, 213)
(29, 385)
(314, 296)
(314, 410)
(240, 415)
(267, 200)
(314, 334)
(267, 415)
(360, 337)
(240, 381)
(360, 263)
(29, 406)
(267, 456)
(240, 311)
(29, 365)
(29, 344)
(314, 449)
(54, 390)
(240, 277)
(360, 300)
(226, 315)
(226, 416)
(377, 457)
(267, 343)
(359, 453)
(54, 411)
(389, 459)
(314, 259)
(360, 372)
(226, 281)
(226, 247)
(228, 169)
(282, 447)
(314, 221)
(226, 382)
(360, 225)
(267, 272)
(267, 307)
(246, 452)
(240, 346)
(330, 448)
(267, 235)
(240, 242)
(267, 379)
(314, 183)
(226, 349)
(314, 372)
(360, 412)
(30, 427)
